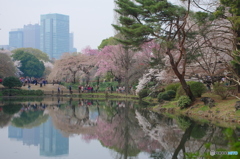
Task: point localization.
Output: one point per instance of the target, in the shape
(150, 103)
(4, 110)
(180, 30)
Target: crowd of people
(28, 81)
(92, 89)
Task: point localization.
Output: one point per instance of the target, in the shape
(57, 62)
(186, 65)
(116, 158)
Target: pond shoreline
(223, 111)
(83, 95)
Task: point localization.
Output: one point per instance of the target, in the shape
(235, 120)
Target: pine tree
(146, 20)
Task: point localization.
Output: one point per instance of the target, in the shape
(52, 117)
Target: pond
(72, 128)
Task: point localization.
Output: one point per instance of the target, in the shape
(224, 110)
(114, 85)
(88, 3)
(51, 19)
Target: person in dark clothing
(209, 86)
(58, 90)
(111, 88)
(79, 89)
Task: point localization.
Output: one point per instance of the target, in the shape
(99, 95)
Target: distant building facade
(71, 39)
(54, 35)
(31, 36)
(5, 47)
(16, 38)
(51, 36)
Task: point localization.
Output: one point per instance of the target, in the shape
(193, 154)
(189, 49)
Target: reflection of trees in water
(73, 118)
(162, 129)
(196, 136)
(125, 130)
(11, 108)
(181, 136)
(122, 133)
(7, 111)
(30, 119)
(5, 119)
(22, 99)
(21, 118)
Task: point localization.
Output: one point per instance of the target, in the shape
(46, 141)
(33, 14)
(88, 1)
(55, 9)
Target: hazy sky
(90, 20)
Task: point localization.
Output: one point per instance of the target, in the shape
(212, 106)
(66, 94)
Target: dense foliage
(11, 108)
(27, 118)
(162, 21)
(143, 93)
(197, 88)
(167, 95)
(173, 86)
(35, 52)
(11, 82)
(30, 65)
(21, 92)
(183, 102)
(222, 90)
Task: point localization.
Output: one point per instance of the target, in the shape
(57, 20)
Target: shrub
(10, 92)
(11, 82)
(31, 92)
(180, 92)
(150, 84)
(171, 93)
(167, 95)
(222, 90)
(190, 82)
(24, 92)
(197, 89)
(15, 92)
(153, 93)
(39, 92)
(159, 97)
(183, 102)
(172, 86)
(143, 93)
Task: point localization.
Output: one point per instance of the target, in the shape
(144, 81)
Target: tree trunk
(127, 66)
(183, 82)
(87, 79)
(186, 88)
(184, 139)
(74, 77)
(98, 78)
(179, 75)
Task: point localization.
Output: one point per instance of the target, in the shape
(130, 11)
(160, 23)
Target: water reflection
(27, 136)
(50, 140)
(123, 127)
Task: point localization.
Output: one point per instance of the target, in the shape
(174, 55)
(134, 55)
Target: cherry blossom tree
(89, 51)
(126, 64)
(7, 66)
(71, 65)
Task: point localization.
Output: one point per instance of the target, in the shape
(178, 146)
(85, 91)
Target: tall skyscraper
(16, 38)
(54, 34)
(31, 36)
(71, 39)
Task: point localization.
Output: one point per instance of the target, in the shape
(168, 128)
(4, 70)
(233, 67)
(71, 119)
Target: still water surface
(65, 128)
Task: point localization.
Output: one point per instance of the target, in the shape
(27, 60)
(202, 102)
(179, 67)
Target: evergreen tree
(30, 65)
(146, 20)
